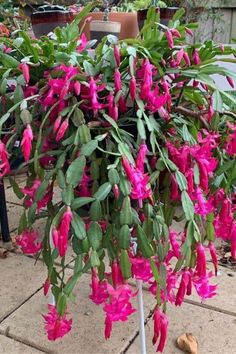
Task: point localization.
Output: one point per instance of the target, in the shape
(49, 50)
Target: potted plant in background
(128, 20)
(167, 9)
(101, 28)
(121, 172)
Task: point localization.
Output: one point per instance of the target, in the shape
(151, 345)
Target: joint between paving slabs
(5, 333)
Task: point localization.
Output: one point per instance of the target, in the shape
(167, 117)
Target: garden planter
(99, 29)
(166, 15)
(44, 22)
(128, 21)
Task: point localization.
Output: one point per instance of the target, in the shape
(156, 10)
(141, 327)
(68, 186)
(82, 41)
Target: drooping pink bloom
(230, 81)
(174, 189)
(4, 162)
(132, 88)
(112, 107)
(29, 192)
(61, 131)
(92, 95)
(180, 156)
(56, 325)
(46, 286)
(202, 207)
(55, 237)
(63, 231)
(82, 43)
(116, 191)
(117, 80)
(119, 307)
(189, 31)
(222, 48)
(175, 33)
(77, 87)
(160, 329)
(231, 141)
(139, 181)
(141, 156)
(182, 288)
(169, 38)
(201, 261)
(141, 268)
(116, 274)
(224, 221)
(186, 58)
(117, 55)
(174, 244)
(25, 70)
(233, 241)
(57, 124)
(29, 242)
(203, 287)
(26, 142)
(99, 289)
(212, 249)
(196, 57)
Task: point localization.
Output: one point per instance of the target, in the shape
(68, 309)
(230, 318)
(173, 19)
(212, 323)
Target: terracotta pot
(128, 21)
(166, 15)
(44, 22)
(99, 29)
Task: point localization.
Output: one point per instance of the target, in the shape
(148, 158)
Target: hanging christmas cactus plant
(137, 143)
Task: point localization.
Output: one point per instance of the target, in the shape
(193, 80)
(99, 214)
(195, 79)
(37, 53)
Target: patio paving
(22, 305)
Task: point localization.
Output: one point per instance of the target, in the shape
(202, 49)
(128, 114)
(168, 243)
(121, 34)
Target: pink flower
(141, 156)
(213, 256)
(117, 80)
(99, 289)
(57, 124)
(174, 244)
(160, 329)
(117, 55)
(189, 31)
(139, 181)
(186, 58)
(61, 131)
(25, 70)
(132, 88)
(116, 191)
(182, 288)
(204, 289)
(30, 191)
(201, 261)
(141, 268)
(202, 207)
(233, 241)
(169, 38)
(230, 81)
(63, 232)
(116, 274)
(119, 307)
(46, 286)
(82, 43)
(26, 142)
(4, 162)
(196, 57)
(28, 241)
(77, 87)
(56, 325)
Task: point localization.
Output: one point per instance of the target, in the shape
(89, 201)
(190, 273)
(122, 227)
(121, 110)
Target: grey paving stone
(14, 213)
(86, 336)
(10, 346)
(20, 278)
(215, 331)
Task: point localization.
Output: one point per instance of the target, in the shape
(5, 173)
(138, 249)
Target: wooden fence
(217, 20)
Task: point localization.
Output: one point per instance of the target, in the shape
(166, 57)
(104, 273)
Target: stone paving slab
(14, 213)
(215, 331)
(10, 346)
(20, 278)
(86, 336)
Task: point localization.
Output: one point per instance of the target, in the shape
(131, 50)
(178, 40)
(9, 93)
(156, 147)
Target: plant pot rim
(103, 22)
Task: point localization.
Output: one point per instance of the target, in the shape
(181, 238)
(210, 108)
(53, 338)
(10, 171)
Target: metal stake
(3, 214)
(141, 317)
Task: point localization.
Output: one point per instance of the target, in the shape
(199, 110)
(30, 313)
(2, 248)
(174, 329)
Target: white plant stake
(139, 284)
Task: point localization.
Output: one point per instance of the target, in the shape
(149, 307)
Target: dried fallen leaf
(188, 343)
(3, 252)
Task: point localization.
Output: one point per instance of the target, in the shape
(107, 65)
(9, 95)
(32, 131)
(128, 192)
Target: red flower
(160, 329)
